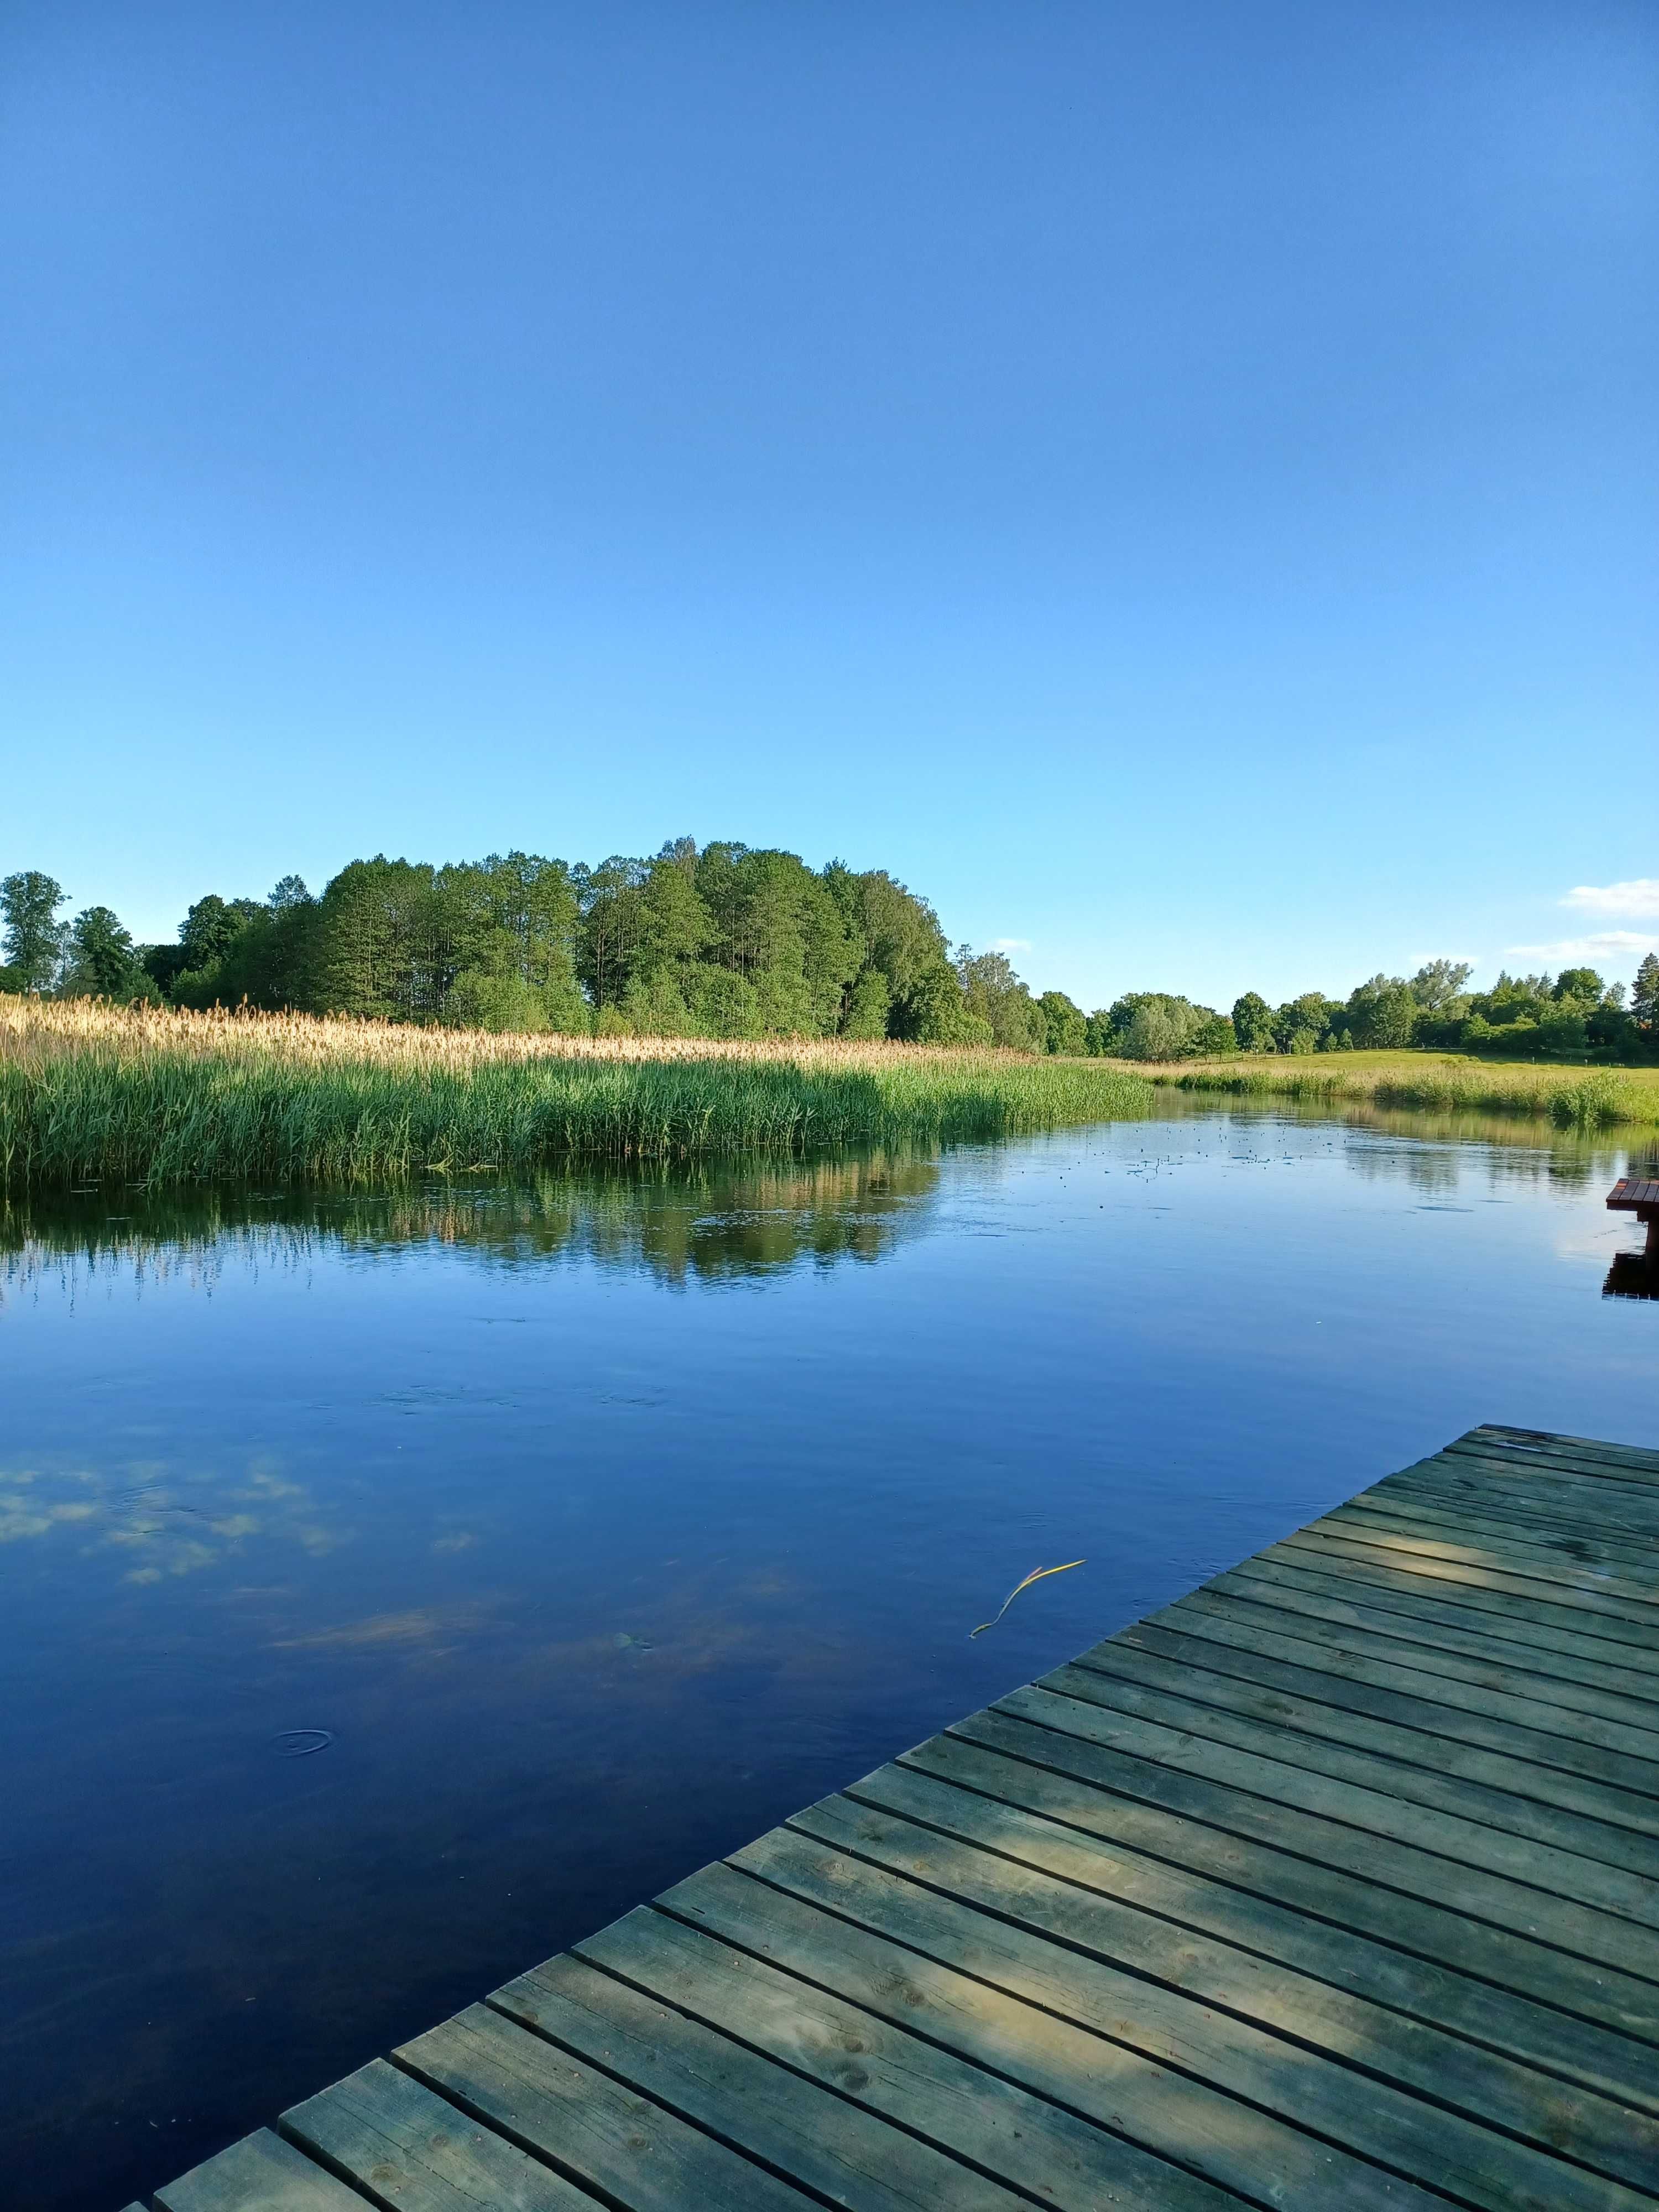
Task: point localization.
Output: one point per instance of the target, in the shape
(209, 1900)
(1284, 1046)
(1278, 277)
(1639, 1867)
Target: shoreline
(1575, 1097)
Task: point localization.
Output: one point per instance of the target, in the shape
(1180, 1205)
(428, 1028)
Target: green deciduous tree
(934, 1010)
(1514, 999)
(1065, 1029)
(387, 954)
(608, 898)
(1382, 1013)
(994, 995)
(782, 929)
(508, 943)
(103, 961)
(1215, 1037)
(34, 939)
(1159, 1027)
(723, 1004)
(1644, 992)
(1578, 983)
(900, 947)
(1252, 1023)
(1164, 1025)
(208, 931)
(869, 1005)
(1302, 1023)
(1439, 985)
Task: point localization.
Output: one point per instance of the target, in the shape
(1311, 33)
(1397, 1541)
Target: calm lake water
(393, 1590)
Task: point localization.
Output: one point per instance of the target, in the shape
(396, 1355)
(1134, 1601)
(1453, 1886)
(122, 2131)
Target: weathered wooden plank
(1551, 1554)
(411, 2151)
(1616, 1480)
(1593, 1861)
(626, 2150)
(869, 2054)
(1438, 1623)
(1501, 1477)
(1616, 1473)
(1430, 1633)
(1511, 1562)
(1526, 1614)
(1526, 1509)
(1538, 1511)
(1564, 1510)
(261, 2173)
(1539, 1442)
(1500, 1453)
(1264, 1902)
(1541, 1527)
(1163, 2109)
(1618, 1620)
(1489, 1754)
(1293, 1810)
(797, 2127)
(1534, 1532)
(1526, 1444)
(1312, 1866)
(950, 1900)
(1528, 1494)
(1524, 1621)
(1481, 1705)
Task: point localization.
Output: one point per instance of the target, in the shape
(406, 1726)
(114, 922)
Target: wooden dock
(1639, 1194)
(1335, 1884)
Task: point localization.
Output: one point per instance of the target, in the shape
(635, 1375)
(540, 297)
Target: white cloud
(1011, 945)
(1614, 945)
(1640, 896)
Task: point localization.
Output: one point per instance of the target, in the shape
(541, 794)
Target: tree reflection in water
(679, 1224)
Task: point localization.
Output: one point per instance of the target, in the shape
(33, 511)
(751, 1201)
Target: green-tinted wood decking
(1334, 1884)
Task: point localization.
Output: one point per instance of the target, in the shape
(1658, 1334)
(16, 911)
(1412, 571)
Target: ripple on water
(300, 1743)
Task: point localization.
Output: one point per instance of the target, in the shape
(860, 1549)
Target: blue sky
(1176, 483)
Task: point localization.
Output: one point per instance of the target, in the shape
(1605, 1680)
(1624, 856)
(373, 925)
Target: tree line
(718, 940)
(1569, 1014)
(722, 940)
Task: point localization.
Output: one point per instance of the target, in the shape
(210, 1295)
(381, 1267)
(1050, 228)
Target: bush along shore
(90, 1093)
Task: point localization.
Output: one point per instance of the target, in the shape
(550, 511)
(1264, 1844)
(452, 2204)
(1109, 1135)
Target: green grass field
(1572, 1096)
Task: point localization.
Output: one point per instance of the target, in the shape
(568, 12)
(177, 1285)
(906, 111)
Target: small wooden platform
(1335, 1884)
(1639, 1194)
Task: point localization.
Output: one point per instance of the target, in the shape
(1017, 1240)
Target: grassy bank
(90, 1093)
(1572, 1097)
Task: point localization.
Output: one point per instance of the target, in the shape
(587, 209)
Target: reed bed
(1572, 1097)
(93, 1093)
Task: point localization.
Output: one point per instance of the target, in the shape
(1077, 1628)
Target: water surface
(394, 1589)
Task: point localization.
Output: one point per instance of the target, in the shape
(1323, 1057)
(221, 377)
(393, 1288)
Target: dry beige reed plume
(1035, 1575)
(43, 1026)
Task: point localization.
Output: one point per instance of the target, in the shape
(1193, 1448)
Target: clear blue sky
(1177, 483)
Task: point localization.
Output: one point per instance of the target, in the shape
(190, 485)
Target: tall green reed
(106, 1110)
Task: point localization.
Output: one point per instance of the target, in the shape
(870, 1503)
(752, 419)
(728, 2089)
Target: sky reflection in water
(598, 1525)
